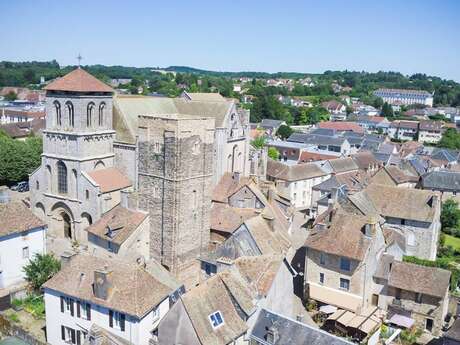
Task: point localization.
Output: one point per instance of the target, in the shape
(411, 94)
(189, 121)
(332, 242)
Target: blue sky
(234, 35)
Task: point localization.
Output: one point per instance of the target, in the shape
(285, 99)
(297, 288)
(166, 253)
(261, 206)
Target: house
(413, 295)
(214, 312)
(403, 130)
(342, 165)
(271, 328)
(343, 126)
(415, 215)
(11, 115)
(127, 300)
(120, 232)
(430, 132)
(393, 176)
(334, 107)
(444, 181)
(366, 161)
(271, 126)
(373, 123)
(322, 142)
(296, 181)
(22, 235)
(288, 150)
(406, 97)
(342, 254)
(23, 130)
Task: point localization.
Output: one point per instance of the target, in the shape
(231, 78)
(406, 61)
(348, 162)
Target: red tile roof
(78, 81)
(306, 157)
(110, 179)
(341, 126)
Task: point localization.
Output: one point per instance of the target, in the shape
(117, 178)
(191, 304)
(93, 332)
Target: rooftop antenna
(79, 58)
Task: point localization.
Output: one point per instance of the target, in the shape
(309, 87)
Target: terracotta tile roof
(342, 126)
(344, 236)
(25, 113)
(413, 204)
(225, 218)
(121, 221)
(431, 281)
(340, 165)
(285, 172)
(228, 185)
(259, 271)
(399, 176)
(24, 129)
(306, 157)
(209, 297)
(134, 290)
(365, 160)
(15, 217)
(78, 81)
(109, 179)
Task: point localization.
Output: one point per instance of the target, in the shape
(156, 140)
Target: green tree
(377, 102)
(284, 132)
(258, 142)
(450, 139)
(450, 215)
(40, 269)
(387, 110)
(11, 96)
(273, 153)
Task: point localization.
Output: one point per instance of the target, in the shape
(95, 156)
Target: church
(133, 175)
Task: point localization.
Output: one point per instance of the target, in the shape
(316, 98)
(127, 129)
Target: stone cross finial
(79, 58)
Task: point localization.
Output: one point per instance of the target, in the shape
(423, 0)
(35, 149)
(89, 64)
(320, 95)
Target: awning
(402, 320)
(365, 323)
(328, 309)
(341, 299)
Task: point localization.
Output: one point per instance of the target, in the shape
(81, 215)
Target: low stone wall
(8, 329)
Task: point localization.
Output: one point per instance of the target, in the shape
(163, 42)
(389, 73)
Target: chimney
(272, 335)
(124, 198)
(66, 257)
(269, 219)
(321, 226)
(102, 284)
(236, 177)
(334, 194)
(270, 194)
(371, 226)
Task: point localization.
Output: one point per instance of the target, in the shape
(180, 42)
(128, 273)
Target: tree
(387, 110)
(258, 142)
(450, 215)
(377, 103)
(40, 269)
(450, 139)
(11, 96)
(284, 132)
(273, 153)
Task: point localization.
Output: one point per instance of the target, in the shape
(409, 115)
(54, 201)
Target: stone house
(403, 130)
(295, 182)
(444, 181)
(126, 300)
(394, 176)
(342, 254)
(416, 292)
(22, 235)
(430, 131)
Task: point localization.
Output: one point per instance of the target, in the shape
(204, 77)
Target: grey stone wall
(175, 181)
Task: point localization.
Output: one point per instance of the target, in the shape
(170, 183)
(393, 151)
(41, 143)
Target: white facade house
(124, 299)
(22, 235)
(405, 97)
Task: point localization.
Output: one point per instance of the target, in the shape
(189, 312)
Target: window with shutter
(72, 334)
(78, 338)
(78, 308)
(88, 311)
(62, 305)
(71, 307)
(62, 332)
(122, 322)
(111, 319)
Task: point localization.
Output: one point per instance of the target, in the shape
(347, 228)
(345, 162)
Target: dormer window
(216, 319)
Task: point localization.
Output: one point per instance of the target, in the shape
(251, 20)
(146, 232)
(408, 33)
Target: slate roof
(109, 179)
(314, 139)
(134, 290)
(454, 331)
(78, 81)
(431, 281)
(302, 171)
(270, 123)
(441, 180)
(343, 237)
(290, 331)
(15, 217)
(413, 204)
(122, 223)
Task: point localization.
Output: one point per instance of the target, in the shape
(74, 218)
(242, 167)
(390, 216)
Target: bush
(35, 305)
(41, 268)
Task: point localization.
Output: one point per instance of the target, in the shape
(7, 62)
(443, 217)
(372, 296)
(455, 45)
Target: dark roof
(454, 331)
(324, 131)
(289, 331)
(442, 180)
(78, 81)
(270, 123)
(444, 155)
(314, 139)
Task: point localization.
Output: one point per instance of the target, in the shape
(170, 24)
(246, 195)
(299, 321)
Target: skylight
(216, 319)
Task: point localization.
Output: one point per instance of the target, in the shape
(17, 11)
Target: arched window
(101, 113)
(62, 177)
(89, 114)
(49, 179)
(70, 113)
(57, 110)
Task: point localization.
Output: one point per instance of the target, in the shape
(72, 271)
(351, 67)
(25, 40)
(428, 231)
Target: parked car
(21, 187)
